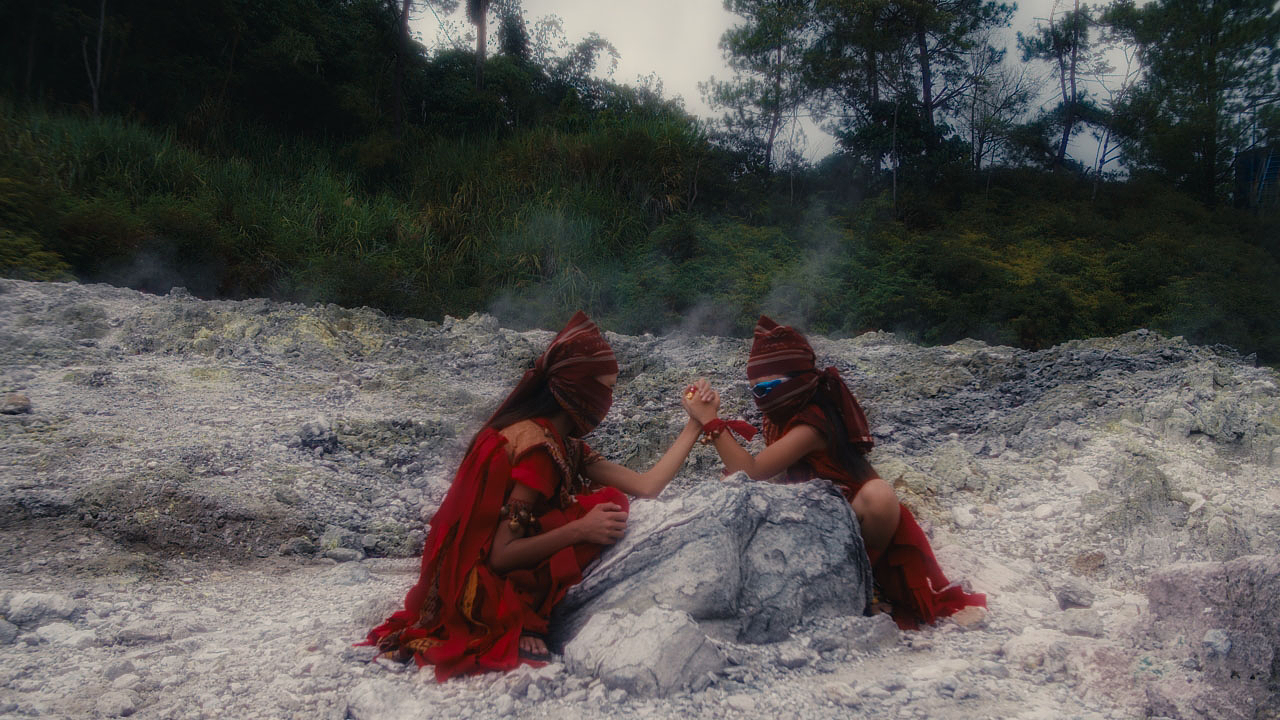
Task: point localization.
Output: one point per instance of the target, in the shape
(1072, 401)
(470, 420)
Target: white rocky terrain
(203, 505)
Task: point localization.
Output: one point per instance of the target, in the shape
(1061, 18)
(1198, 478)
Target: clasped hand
(701, 401)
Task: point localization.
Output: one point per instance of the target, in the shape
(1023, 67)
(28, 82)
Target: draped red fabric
(461, 616)
(907, 572)
(570, 365)
(911, 579)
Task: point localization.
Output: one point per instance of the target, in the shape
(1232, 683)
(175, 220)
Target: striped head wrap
(569, 366)
(781, 350)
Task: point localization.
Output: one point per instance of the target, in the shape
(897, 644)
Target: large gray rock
(748, 559)
(655, 653)
(1227, 617)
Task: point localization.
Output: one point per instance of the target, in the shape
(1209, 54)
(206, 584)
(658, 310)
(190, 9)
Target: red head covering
(780, 350)
(569, 366)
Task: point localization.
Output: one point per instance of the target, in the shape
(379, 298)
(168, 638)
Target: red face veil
(570, 365)
(781, 350)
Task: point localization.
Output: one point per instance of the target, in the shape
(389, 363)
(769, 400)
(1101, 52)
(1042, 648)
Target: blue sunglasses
(766, 387)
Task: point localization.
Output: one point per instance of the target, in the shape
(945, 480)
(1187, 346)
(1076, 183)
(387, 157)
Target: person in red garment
(814, 427)
(530, 507)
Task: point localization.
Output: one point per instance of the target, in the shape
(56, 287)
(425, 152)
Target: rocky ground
(203, 504)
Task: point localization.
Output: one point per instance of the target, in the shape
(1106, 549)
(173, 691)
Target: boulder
(1227, 615)
(745, 559)
(655, 653)
(31, 607)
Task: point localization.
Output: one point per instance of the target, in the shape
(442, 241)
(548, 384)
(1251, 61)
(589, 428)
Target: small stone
(15, 404)
(963, 517)
(141, 633)
(118, 668)
(970, 617)
(1044, 511)
(1073, 594)
(1194, 501)
(940, 669)
(64, 633)
(841, 694)
(617, 696)
(741, 703)
(343, 555)
(519, 681)
(126, 682)
(598, 695)
(1217, 641)
(993, 669)
(8, 632)
(349, 573)
(116, 703)
(504, 706)
(297, 546)
(534, 693)
(575, 696)
(793, 657)
(1084, 622)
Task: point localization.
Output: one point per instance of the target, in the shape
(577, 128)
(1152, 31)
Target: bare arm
(650, 483)
(798, 442)
(778, 456)
(604, 524)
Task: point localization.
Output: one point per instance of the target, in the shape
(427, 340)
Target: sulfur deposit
(204, 504)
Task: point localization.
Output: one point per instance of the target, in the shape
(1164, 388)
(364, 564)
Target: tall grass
(609, 215)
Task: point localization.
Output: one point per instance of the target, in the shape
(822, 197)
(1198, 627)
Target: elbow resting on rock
(648, 493)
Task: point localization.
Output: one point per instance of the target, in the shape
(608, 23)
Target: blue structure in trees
(1258, 178)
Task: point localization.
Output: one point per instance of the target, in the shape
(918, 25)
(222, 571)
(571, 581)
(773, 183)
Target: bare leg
(876, 506)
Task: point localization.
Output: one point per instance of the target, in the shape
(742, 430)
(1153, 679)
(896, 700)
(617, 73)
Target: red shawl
(461, 616)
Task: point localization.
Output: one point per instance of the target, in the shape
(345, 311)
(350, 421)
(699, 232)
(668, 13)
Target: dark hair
(838, 442)
(538, 402)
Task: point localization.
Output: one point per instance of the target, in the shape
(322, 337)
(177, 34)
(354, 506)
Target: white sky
(679, 41)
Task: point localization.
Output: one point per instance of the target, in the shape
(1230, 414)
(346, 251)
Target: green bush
(26, 259)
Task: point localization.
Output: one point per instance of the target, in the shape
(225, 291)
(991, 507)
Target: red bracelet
(712, 430)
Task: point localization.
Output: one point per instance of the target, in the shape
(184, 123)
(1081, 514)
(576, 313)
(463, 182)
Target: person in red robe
(814, 427)
(529, 508)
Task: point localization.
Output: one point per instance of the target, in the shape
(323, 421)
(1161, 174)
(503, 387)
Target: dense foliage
(307, 149)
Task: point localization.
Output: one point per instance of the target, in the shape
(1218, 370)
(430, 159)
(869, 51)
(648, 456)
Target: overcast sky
(676, 39)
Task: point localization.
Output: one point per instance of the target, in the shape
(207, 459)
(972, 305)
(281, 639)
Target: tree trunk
(1213, 97)
(1069, 92)
(775, 120)
(926, 88)
(95, 72)
(397, 89)
(481, 40)
(31, 53)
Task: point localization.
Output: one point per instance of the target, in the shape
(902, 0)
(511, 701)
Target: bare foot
(533, 645)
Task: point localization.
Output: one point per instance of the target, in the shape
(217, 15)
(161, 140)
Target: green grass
(611, 214)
